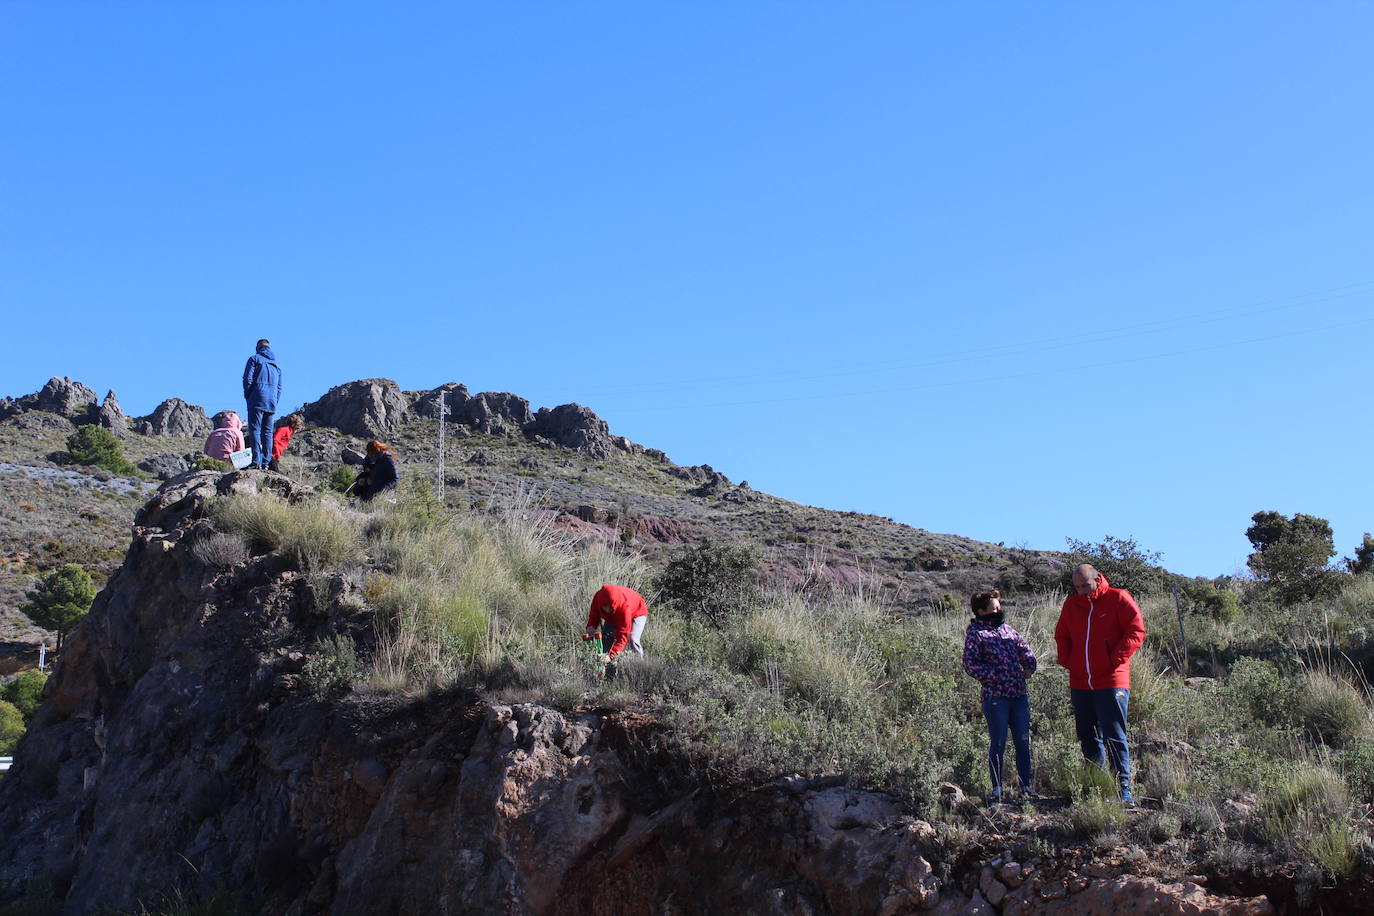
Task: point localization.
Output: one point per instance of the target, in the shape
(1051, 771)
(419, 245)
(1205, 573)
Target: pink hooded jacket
(227, 437)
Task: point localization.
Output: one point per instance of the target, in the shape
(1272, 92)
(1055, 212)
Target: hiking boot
(1029, 794)
(1127, 799)
(995, 797)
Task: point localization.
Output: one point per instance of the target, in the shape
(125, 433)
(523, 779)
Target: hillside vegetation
(1268, 767)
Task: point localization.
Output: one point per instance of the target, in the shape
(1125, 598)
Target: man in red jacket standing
(620, 613)
(1099, 629)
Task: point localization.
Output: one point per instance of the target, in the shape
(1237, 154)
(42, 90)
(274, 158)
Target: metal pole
(1182, 636)
(443, 412)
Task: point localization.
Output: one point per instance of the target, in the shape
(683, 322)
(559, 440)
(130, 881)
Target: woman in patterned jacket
(1000, 659)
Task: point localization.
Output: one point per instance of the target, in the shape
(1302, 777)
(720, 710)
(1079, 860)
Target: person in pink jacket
(227, 437)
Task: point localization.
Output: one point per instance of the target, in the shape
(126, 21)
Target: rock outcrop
(175, 417)
(61, 396)
(371, 408)
(496, 413)
(111, 416)
(573, 426)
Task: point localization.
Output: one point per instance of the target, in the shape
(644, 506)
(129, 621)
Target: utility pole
(443, 414)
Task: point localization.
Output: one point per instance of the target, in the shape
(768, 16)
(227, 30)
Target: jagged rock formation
(175, 417)
(61, 396)
(371, 408)
(111, 416)
(178, 751)
(493, 413)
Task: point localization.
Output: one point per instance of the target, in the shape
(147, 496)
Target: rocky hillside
(181, 754)
(500, 451)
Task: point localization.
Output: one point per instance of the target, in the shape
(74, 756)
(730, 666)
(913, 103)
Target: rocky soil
(179, 755)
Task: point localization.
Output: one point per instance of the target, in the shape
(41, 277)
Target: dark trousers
(1099, 717)
(260, 435)
(1003, 713)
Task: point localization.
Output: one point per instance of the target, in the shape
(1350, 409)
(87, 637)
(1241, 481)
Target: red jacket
(617, 606)
(280, 440)
(1097, 634)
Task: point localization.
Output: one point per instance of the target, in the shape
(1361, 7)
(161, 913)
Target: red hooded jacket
(617, 606)
(1097, 634)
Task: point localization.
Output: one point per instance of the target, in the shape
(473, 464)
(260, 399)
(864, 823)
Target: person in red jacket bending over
(620, 613)
(1099, 629)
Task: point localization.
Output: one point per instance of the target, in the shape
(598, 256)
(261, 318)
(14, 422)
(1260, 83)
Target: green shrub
(712, 580)
(96, 445)
(1332, 708)
(206, 463)
(61, 599)
(1123, 561)
(11, 727)
(341, 477)
(26, 692)
(331, 665)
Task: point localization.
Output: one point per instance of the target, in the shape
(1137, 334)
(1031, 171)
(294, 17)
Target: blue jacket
(262, 381)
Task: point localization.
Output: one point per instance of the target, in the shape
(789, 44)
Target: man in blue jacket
(261, 389)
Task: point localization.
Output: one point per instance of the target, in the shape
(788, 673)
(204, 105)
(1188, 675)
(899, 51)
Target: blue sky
(1016, 272)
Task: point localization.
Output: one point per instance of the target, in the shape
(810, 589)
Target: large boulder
(370, 408)
(175, 417)
(573, 426)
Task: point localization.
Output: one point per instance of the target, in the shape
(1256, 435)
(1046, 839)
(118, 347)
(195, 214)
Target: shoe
(1029, 794)
(995, 797)
(1127, 799)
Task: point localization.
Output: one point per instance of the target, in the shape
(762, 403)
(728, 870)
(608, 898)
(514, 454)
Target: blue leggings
(1001, 713)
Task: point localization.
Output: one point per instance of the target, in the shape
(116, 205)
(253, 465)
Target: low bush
(11, 727)
(97, 446)
(26, 692)
(331, 665)
(315, 532)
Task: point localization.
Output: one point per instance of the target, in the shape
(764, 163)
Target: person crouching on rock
(620, 614)
(1001, 660)
(227, 437)
(379, 471)
(282, 438)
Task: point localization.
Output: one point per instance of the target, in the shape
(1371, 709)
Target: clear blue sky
(1012, 271)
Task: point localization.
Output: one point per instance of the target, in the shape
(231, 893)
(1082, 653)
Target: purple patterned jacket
(999, 658)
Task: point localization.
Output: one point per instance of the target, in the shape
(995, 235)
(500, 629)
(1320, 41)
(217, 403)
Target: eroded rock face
(371, 408)
(175, 417)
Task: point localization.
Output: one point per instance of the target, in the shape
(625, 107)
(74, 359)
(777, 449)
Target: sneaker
(995, 797)
(1030, 794)
(1127, 799)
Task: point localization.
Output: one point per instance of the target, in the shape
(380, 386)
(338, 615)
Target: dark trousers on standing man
(1099, 717)
(260, 435)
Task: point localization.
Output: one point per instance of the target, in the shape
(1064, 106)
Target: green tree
(711, 581)
(26, 692)
(1122, 560)
(1291, 554)
(96, 445)
(11, 728)
(1363, 561)
(61, 599)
